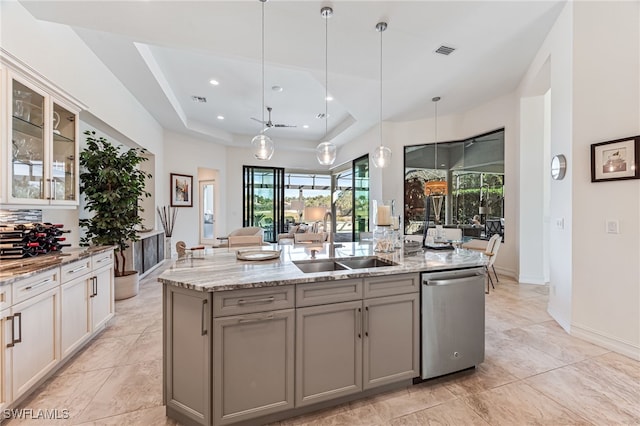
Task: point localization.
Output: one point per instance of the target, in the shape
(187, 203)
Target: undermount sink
(320, 265)
(324, 265)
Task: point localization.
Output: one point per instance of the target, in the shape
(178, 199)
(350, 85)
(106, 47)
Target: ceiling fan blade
(284, 125)
(259, 121)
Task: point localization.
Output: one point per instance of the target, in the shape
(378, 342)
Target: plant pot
(127, 285)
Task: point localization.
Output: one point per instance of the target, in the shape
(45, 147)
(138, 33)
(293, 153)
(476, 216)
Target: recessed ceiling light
(214, 82)
(329, 98)
(220, 117)
(305, 126)
(277, 88)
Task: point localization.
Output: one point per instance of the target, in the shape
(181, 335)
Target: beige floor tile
(130, 388)
(519, 360)
(100, 353)
(487, 375)
(147, 348)
(550, 338)
(130, 323)
(519, 404)
(597, 398)
(454, 412)
(416, 398)
(70, 393)
(154, 416)
(316, 416)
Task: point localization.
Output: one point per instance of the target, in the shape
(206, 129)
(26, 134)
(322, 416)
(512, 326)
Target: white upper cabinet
(39, 160)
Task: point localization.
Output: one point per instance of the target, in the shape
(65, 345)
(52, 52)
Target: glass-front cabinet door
(44, 149)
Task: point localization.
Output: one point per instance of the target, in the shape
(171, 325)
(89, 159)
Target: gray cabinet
(328, 352)
(187, 355)
(253, 365)
(391, 332)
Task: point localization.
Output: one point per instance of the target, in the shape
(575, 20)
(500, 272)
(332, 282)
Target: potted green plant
(113, 185)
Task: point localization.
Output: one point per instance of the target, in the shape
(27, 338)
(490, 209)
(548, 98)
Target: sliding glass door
(350, 199)
(263, 200)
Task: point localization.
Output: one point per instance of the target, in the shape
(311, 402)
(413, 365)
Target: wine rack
(29, 240)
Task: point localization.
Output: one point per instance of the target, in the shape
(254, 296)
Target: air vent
(320, 115)
(445, 50)
(200, 99)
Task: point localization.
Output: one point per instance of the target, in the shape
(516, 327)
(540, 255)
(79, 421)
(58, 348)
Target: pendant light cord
(380, 129)
(436, 137)
(326, 76)
(263, 107)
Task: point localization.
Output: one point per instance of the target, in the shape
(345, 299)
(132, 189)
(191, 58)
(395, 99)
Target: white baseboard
(625, 348)
(507, 272)
(523, 279)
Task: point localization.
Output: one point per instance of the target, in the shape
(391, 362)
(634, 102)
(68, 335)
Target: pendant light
(382, 154)
(326, 151)
(261, 143)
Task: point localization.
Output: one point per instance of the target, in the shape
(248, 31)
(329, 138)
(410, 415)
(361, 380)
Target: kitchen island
(250, 342)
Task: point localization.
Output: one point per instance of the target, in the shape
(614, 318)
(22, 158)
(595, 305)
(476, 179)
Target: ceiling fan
(269, 124)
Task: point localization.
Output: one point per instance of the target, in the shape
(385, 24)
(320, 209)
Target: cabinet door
(102, 297)
(28, 145)
(328, 352)
(187, 355)
(253, 365)
(35, 323)
(64, 156)
(75, 326)
(391, 339)
(5, 338)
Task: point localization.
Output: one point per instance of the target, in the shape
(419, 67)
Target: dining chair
(492, 252)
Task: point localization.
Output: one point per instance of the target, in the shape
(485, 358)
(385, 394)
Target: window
(350, 199)
(472, 172)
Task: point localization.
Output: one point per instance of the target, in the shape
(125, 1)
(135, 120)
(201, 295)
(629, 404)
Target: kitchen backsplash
(15, 216)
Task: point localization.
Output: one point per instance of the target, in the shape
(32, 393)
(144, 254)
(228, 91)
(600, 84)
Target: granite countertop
(219, 270)
(13, 270)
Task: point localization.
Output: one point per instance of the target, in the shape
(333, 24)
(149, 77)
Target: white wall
(606, 106)
(556, 53)
(190, 156)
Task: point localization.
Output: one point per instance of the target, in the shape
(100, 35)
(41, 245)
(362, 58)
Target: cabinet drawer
(323, 292)
(390, 285)
(75, 269)
(32, 286)
(5, 296)
(245, 301)
(102, 259)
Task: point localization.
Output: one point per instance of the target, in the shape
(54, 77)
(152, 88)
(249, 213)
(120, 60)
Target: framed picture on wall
(181, 190)
(615, 160)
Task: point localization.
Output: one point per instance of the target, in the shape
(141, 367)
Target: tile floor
(534, 373)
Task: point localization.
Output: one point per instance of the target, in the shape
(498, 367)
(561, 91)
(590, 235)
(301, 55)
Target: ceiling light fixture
(326, 151)
(214, 82)
(220, 117)
(382, 154)
(262, 144)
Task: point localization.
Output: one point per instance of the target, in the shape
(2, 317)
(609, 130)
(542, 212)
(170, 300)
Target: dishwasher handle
(451, 281)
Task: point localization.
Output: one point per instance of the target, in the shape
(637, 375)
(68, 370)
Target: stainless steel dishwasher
(452, 320)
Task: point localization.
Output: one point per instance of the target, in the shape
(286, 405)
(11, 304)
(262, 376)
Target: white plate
(258, 254)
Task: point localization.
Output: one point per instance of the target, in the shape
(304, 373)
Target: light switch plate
(560, 223)
(612, 227)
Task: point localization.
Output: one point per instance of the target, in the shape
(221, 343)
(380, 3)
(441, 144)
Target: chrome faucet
(324, 226)
(332, 246)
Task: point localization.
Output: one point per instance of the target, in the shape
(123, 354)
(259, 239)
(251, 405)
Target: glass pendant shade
(381, 156)
(326, 153)
(262, 147)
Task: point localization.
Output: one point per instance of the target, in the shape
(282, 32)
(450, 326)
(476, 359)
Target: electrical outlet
(612, 227)
(560, 223)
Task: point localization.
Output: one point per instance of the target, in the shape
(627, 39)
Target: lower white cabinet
(34, 349)
(76, 327)
(50, 315)
(102, 296)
